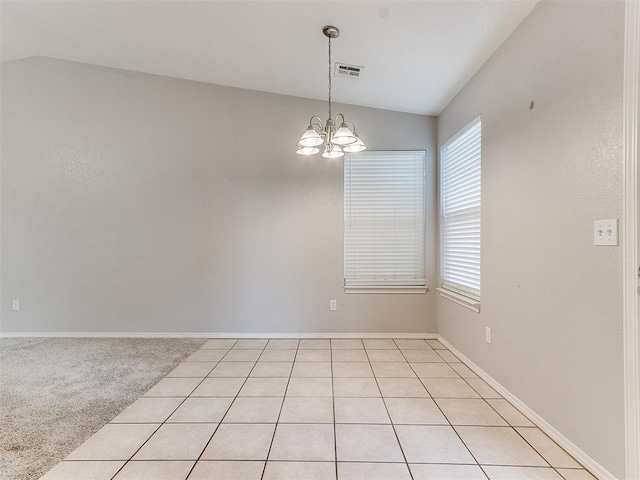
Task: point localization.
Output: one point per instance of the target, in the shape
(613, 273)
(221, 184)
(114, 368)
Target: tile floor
(320, 409)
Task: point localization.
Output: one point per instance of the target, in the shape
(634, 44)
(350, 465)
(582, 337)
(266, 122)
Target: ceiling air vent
(348, 71)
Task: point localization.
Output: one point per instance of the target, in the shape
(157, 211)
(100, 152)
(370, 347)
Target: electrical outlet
(487, 334)
(15, 305)
(605, 232)
(333, 305)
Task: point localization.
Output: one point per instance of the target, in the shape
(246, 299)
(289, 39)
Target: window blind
(384, 219)
(460, 204)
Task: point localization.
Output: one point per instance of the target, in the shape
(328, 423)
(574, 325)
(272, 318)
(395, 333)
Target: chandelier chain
(330, 78)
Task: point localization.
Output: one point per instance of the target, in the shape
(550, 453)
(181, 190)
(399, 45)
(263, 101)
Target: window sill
(387, 289)
(466, 302)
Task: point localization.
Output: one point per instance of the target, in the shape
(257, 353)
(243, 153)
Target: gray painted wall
(139, 203)
(552, 299)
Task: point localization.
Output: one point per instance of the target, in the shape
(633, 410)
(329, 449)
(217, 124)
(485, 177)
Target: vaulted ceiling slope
(416, 54)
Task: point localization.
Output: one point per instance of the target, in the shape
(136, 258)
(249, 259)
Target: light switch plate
(605, 232)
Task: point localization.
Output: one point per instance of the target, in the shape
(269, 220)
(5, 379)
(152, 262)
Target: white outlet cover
(605, 232)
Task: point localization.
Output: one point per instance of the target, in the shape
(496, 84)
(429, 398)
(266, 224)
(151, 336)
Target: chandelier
(336, 142)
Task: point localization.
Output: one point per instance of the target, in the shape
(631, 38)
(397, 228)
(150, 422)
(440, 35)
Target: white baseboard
(428, 336)
(590, 464)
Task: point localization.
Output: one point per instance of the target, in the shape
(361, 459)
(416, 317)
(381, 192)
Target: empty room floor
(320, 409)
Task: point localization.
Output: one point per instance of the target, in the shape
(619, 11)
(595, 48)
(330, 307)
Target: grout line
(284, 396)
(446, 418)
(388, 414)
(226, 412)
(174, 411)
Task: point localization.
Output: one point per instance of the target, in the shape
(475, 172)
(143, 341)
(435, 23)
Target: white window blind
(384, 219)
(460, 203)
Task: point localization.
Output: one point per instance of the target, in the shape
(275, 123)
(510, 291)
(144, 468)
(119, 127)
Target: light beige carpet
(56, 392)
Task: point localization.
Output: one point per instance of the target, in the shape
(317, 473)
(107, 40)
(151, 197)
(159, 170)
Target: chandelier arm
(339, 115)
(318, 124)
(353, 127)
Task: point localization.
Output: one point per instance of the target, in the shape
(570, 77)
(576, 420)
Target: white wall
(552, 299)
(139, 203)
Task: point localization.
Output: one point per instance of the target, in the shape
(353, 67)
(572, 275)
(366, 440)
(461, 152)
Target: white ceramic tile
(385, 356)
(432, 444)
(309, 387)
(313, 356)
(193, 369)
(272, 369)
(373, 471)
(361, 410)
(546, 447)
(240, 442)
(303, 442)
(278, 344)
(300, 470)
(114, 442)
(424, 471)
(277, 356)
(355, 387)
(449, 388)
(173, 387)
(392, 369)
(422, 356)
(521, 473)
(436, 344)
(483, 388)
(463, 370)
(380, 344)
(447, 356)
(470, 411)
(227, 470)
(510, 413)
(410, 344)
(315, 344)
(251, 344)
(349, 356)
(574, 474)
(206, 356)
(177, 442)
(241, 355)
(434, 370)
(232, 369)
(352, 369)
(254, 410)
(402, 387)
(220, 343)
(148, 410)
(346, 344)
(415, 411)
(201, 410)
(218, 387)
(264, 387)
(311, 369)
(499, 446)
(155, 470)
(307, 410)
(95, 470)
(367, 443)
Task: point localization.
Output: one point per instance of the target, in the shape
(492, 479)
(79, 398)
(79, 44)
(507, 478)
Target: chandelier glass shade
(335, 141)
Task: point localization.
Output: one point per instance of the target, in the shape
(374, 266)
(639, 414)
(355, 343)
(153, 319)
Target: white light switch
(333, 305)
(605, 232)
(15, 305)
(487, 334)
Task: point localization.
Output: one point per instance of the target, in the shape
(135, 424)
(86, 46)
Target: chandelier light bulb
(343, 136)
(310, 138)
(302, 150)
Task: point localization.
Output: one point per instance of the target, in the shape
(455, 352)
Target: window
(460, 204)
(384, 223)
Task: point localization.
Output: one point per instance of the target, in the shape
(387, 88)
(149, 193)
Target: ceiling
(416, 54)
